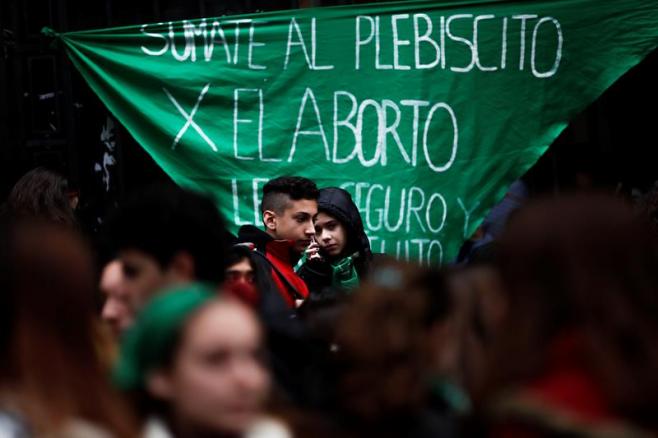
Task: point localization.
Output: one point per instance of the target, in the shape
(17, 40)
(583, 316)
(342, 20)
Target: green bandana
(344, 274)
(145, 346)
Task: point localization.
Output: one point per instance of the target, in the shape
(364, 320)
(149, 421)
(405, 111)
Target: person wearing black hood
(341, 256)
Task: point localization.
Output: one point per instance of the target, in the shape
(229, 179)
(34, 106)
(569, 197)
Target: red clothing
(568, 386)
(565, 398)
(278, 253)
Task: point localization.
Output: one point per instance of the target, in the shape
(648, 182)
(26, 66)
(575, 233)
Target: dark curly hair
(163, 220)
(383, 340)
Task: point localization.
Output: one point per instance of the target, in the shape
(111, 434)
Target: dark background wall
(49, 116)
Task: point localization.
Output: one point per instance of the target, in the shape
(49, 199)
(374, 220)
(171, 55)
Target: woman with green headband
(194, 364)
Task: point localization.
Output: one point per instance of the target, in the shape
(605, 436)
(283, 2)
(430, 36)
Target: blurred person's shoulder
(156, 428)
(79, 428)
(11, 426)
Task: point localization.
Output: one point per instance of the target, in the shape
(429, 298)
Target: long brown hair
(50, 372)
(42, 194)
(582, 264)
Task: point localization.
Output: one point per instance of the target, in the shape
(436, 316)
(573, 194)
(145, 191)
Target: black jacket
(296, 360)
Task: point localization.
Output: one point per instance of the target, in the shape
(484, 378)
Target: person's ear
(159, 385)
(181, 267)
(270, 220)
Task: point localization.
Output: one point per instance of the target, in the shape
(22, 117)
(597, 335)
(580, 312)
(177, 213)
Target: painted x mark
(189, 118)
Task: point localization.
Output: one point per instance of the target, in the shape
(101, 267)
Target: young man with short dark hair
(288, 207)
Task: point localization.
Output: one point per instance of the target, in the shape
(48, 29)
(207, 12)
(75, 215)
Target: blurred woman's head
(49, 368)
(386, 341)
(583, 266)
(479, 308)
(197, 360)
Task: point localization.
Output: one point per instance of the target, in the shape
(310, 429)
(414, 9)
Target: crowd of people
(167, 325)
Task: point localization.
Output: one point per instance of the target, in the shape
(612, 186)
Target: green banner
(424, 110)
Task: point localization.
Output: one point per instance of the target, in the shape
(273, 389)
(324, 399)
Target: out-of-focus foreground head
(165, 236)
(582, 269)
(197, 360)
(118, 309)
(386, 340)
(48, 348)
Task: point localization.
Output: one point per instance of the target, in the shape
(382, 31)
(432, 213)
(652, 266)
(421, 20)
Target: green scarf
(344, 275)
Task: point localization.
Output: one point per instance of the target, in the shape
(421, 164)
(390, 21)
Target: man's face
(295, 223)
(142, 277)
(330, 234)
(117, 310)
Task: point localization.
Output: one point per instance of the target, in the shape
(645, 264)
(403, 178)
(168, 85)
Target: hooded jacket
(320, 275)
